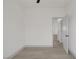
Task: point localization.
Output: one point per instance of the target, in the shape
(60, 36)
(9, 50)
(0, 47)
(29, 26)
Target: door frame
(61, 29)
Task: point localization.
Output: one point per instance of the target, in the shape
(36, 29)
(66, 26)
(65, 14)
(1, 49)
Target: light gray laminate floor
(43, 52)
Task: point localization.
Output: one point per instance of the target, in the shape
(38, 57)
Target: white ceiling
(44, 3)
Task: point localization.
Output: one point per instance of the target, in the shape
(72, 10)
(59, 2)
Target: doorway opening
(60, 32)
(57, 41)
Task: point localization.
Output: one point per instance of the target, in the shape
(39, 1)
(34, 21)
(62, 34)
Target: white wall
(72, 27)
(13, 28)
(39, 25)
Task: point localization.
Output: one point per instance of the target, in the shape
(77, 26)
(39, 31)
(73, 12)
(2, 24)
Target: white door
(65, 34)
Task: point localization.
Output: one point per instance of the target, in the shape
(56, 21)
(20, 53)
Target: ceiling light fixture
(38, 1)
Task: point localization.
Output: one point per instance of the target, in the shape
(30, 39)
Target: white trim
(72, 54)
(38, 46)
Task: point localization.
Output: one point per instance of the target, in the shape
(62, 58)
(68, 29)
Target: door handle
(67, 35)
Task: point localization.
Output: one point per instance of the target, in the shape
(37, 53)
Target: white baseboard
(38, 46)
